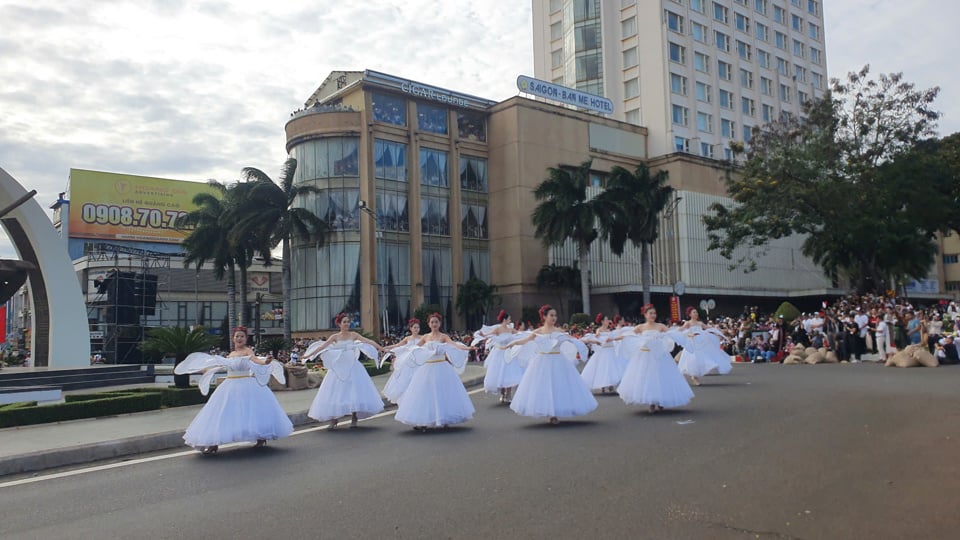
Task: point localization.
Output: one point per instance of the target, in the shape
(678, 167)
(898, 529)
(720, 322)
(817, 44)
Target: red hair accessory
(616, 319)
(647, 307)
(435, 314)
(413, 321)
(502, 315)
(339, 317)
(599, 318)
(240, 329)
(690, 310)
(544, 309)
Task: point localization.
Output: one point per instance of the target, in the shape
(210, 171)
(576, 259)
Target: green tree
(562, 279)
(632, 205)
(474, 299)
(566, 212)
(822, 176)
(178, 342)
(276, 213)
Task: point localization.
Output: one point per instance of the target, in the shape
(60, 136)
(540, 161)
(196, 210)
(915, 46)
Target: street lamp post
(383, 313)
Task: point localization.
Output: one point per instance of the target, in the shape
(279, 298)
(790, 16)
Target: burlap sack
(296, 377)
(314, 378)
(808, 351)
(822, 350)
(814, 358)
(831, 358)
(924, 358)
(903, 358)
(798, 351)
(275, 385)
(793, 359)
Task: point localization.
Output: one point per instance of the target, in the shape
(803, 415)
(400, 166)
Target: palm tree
(179, 342)
(271, 215)
(562, 279)
(474, 298)
(210, 241)
(632, 204)
(245, 244)
(566, 212)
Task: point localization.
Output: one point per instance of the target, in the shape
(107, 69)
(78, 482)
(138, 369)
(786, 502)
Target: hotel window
(633, 117)
(800, 73)
(763, 58)
(766, 112)
(681, 144)
(556, 5)
(556, 31)
(680, 115)
(760, 6)
(746, 78)
(700, 32)
(434, 215)
(392, 211)
(677, 54)
(798, 3)
(698, 5)
(630, 57)
(797, 22)
(723, 41)
(631, 88)
(431, 119)
(815, 56)
(812, 7)
(802, 97)
(728, 154)
(742, 22)
(433, 168)
(627, 3)
(556, 58)
(726, 99)
(389, 109)
(766, 86)
(727, 128)
(798, 48)
(472, 126)
(678, 84)
(951, 258)
(705, 122)
(784, 93)
(744, 50)
(703, 92)
(763, 32)
(473, 221)
(783, 67)
(817, 80)
(675, 22)
(814, 31)
(721, 13)
(747, 133)
(339, 208)
(706, 150)
(779, 14)
(473, 173)
(724, 70)
(748, 106)
(628, 27)
(390, 160)
(701, 62)
(781, 40)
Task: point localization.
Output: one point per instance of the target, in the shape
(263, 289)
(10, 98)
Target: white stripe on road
(77, 472)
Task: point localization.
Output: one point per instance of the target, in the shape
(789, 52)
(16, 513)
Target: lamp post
(378, 232)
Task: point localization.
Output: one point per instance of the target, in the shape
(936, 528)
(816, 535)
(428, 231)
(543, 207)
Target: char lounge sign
(567, 96)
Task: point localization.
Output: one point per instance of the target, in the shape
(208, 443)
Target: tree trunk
(287, 287)
(231, 300)
(244, 308)
(584, 276)
(646, 271)
(181, 381)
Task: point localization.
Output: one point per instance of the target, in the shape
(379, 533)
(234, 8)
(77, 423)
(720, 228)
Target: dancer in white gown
(436, 396)
(347, 387)
(701, 350)
(242, 408)
(403, 366)
(604, 369)
(652, 377)
(551, 387)
(503, 373)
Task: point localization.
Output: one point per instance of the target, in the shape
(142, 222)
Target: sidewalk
(44, 446)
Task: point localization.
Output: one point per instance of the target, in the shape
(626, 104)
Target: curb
(75, 455)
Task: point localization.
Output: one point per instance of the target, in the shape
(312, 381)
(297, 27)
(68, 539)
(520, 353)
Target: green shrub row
(18, 405)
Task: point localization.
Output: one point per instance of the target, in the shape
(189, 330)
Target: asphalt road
(770, 451)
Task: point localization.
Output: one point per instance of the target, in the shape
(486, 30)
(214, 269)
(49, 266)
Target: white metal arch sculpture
(61, 334)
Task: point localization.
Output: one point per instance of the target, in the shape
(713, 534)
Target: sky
(199, 89)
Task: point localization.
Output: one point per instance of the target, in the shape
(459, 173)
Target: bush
(530, 314)
(18, 405)
(789, 312)
(372, 368)
(82, 406)
(580, 319)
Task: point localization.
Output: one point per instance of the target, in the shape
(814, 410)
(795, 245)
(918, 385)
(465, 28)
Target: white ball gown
(652, 377)
(503, 371)
(347, 387)
(403, 370)
(551, 385)
(604, 368)
(436, 396)
(241, 408)
(702, 353)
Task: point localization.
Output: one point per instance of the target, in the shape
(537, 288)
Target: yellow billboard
(110, 206)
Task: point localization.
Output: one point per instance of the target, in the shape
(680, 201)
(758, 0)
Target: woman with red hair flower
(403, 368)
(652, 377)
(604, 369)
(701, 351)
(503, 374)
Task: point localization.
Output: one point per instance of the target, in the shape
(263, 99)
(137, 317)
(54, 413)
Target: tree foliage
(563, 280)
(178, 342)
(474, 299)
(839, 176)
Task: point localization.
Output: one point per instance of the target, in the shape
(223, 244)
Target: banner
(675, 308)
(109, 206)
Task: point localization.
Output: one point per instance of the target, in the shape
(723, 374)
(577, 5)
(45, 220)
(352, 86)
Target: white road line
(77, 472)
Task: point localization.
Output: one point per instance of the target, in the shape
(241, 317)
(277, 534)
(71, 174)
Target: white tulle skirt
(500, 373)
(239, 410)
(398, 382)
(695, 365)
(652, 378)
(435, 397)
(603, 369)
(337, 397)
(551, 386)
(717, 357)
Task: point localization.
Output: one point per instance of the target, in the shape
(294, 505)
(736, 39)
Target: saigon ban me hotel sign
(567, 96)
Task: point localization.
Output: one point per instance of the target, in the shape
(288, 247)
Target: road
(770, 451)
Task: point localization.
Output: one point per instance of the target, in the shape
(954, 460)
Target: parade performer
(347, 387)
(403, 366)
(435, 396)
(604, 369)
(702, 352)
(551, 386)
(503, 373)
(241, 408)
(652, 377)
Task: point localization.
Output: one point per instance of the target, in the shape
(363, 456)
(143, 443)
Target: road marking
(77, 472)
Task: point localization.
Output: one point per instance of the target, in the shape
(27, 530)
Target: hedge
(74, 409)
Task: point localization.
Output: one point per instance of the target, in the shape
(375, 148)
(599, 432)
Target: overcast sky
(199, 89)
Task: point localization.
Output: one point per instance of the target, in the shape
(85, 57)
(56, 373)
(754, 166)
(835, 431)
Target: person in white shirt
(861, 344)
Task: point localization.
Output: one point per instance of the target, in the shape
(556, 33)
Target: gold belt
(551, 352)
(644, 349)
(238, 376)
(435, 361)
